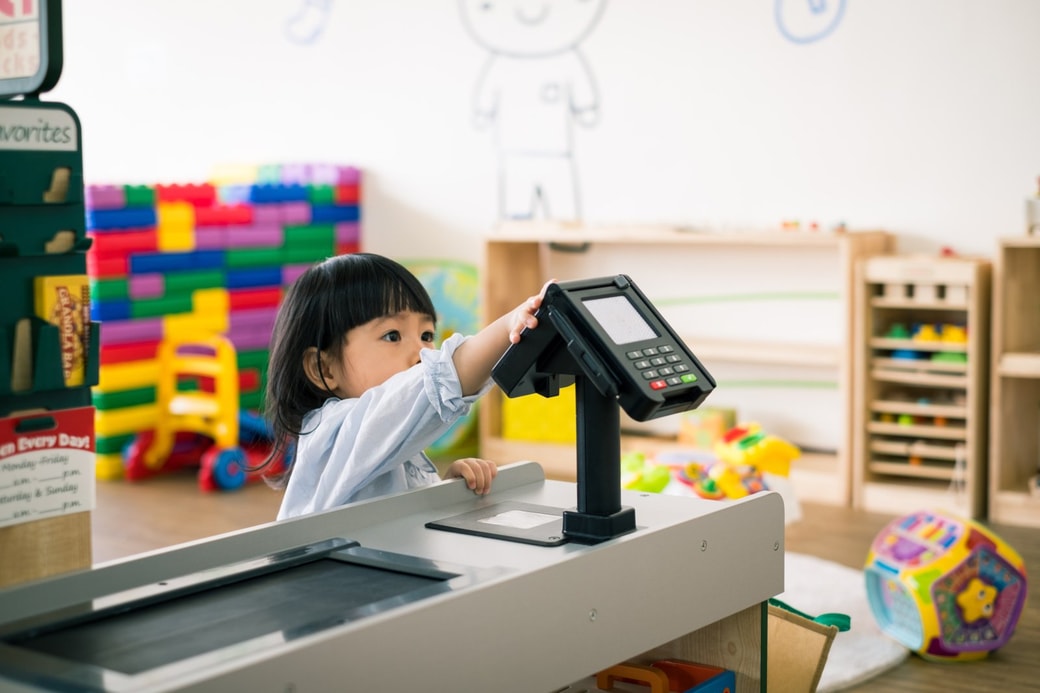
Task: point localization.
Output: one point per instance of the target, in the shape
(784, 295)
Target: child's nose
(417, 349)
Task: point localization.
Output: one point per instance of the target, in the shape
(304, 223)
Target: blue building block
(251, 278)
(172, 262)
(109, 310)
(137, 217)
(270, 192)
(334, 213)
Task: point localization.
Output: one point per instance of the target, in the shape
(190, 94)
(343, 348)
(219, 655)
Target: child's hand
(477, 473)
(523, 316)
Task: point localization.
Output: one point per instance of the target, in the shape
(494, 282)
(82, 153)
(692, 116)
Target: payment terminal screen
(619, 319)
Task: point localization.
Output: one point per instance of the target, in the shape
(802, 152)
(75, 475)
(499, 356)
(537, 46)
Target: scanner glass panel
(620, 319)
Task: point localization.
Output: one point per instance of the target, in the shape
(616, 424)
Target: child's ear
(317, 370)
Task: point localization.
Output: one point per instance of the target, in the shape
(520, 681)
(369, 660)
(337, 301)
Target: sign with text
(30, 45)
(37, 129)
(46, 465)
(20, 45)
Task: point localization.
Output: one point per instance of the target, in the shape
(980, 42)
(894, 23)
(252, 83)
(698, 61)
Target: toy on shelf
(668, 675)
(946, 587)
(198, 420)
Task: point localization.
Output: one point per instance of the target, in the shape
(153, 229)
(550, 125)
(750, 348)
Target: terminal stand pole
(599, 514)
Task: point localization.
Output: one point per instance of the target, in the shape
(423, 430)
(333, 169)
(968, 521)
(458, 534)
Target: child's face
(379, 349)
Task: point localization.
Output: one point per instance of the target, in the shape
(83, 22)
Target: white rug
(815, 586)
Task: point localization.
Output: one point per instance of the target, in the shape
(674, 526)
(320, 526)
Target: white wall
(921, 117)
(918, 116)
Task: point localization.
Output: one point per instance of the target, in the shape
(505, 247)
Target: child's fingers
(478, 474)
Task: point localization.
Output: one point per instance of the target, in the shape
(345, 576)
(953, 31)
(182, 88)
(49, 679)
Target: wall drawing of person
(534, 87)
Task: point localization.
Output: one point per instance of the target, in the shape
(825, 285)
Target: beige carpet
(815, 586)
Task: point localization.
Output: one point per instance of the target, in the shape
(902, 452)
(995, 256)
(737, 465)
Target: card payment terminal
(604, 336)
(617, 339)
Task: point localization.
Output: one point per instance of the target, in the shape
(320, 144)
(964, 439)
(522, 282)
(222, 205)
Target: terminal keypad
(661, 366)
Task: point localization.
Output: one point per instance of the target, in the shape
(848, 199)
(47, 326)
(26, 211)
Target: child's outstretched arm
(475, 357)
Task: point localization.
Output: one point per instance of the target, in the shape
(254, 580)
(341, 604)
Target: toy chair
(199, 421)
(211, 410)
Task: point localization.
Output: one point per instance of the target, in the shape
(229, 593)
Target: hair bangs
(374, 288)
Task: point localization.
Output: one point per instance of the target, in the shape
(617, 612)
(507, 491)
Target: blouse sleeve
(348, 443)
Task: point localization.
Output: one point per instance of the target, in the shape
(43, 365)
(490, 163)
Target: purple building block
(105, 196)
(145, 286)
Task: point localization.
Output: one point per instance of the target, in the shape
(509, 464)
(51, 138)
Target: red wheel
(134, 467)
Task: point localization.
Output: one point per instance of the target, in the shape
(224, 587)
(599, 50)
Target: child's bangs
(375, 292)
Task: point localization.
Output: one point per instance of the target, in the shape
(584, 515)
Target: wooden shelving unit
(520, 257)
(922, 368)
(1014, 497)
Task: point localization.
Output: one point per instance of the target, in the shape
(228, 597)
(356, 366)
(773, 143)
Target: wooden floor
(145, 516)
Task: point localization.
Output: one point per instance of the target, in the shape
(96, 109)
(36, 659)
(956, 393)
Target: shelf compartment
(950, 411)
(1018, 508)
(917, 345)
(1015, 458)
(920, 379)
(916, 448)
(918, 431)
(896, 465)
(919, 366)
(1015, 419)
(923, 470)
(1019, 364)
(909, 303)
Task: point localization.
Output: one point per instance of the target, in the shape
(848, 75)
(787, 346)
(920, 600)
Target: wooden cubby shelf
(921, 365)
(1014, 494)
(520, 256)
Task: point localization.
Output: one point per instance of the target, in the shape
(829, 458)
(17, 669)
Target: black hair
(322, 305)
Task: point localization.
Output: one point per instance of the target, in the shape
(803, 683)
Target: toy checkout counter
(534, 587)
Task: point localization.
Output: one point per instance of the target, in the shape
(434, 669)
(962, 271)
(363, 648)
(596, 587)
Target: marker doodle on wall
(534, 87)
(806, 21)
(309, 21)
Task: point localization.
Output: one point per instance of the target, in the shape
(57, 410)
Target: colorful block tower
(173, 260)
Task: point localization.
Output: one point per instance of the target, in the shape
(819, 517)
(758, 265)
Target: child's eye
(392, 336)
(428, 337)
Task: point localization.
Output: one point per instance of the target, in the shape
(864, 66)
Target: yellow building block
(118, 422)
(127, 376)
(210, 311)
(235, 174)
(540, 419)
(175, 230)
(109, 466)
